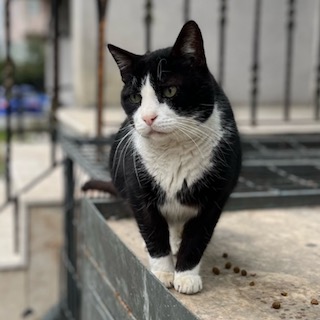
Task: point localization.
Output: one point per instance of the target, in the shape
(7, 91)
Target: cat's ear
(124, 60)
(189, 44)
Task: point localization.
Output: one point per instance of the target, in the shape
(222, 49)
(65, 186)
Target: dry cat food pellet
(225, 255)
(314, 301)
(283, 293)
(216, 270)
(228, 265)
(243, 272)
(276, 305)
(236, 269)
(252, 283)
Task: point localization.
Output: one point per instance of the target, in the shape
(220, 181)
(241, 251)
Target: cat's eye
(170, 92)
(135, 98)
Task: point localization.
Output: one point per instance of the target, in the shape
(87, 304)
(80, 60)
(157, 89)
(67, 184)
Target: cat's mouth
(153, 133)
(156, 132)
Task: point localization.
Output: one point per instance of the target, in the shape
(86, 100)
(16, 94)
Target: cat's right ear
(124, 60)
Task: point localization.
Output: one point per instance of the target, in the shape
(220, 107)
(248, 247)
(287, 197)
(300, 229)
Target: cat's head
(168, 87)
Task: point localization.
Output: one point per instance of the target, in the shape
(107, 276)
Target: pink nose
(149, 119)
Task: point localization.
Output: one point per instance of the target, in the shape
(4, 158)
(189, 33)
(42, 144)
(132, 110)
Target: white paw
(187, 283)
(165, 277)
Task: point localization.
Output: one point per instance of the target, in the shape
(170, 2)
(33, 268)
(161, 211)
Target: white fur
(163, 269)
(174, 149)
(188, 282)
(175, 231)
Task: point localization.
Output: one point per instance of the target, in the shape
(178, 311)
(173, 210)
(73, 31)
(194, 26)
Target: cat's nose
(149, 119)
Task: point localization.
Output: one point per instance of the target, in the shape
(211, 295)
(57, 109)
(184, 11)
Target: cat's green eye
(135, 98)
(170, 92)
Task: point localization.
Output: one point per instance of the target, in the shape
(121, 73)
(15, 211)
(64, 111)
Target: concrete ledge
(279, 249)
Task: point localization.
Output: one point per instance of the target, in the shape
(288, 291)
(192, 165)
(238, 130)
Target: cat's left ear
(189, 44)
(124, 60)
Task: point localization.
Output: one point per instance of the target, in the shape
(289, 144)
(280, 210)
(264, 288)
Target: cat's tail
(100, 185)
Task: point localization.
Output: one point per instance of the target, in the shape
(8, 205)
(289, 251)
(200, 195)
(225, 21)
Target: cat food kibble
(252, 283)
(283, 293)
(216, 270)
(225, 255)
(228, 265)
(243, 272)
(236, 269)
(276, 305)
(314, 302)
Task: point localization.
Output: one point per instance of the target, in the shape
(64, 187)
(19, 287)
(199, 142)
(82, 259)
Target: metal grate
(277, 170)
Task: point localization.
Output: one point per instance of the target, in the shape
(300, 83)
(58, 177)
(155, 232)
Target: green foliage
(31, 71)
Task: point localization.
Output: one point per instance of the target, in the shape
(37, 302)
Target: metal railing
(72, 292)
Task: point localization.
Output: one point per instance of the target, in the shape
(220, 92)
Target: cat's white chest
(172, 167)
(173, 164)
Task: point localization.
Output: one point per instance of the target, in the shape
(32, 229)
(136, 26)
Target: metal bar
(255, 63)
(36, 180)
(55, 99)
(148, 23)
(186, 10)
(317, 90)
(289, 58)
(102, 6)
(16, 224)
(8, 83)
(70, 237)
(75, 154)
(20, 113)
(222, 37)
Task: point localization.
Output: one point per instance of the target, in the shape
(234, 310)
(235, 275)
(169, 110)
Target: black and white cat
(177, 156)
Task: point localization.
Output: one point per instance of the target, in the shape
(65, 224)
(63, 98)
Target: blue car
(25, 99)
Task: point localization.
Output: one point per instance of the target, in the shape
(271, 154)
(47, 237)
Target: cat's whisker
(118, 147)
(134, 154)
(207, 104)
(186, 134)
(126, 147)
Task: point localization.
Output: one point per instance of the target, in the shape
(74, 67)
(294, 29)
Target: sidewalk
(29, 160)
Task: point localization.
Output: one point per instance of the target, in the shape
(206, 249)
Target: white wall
(125, 28)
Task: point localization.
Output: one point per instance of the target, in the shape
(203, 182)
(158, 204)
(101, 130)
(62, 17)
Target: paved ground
(30, 160)
(280, 251)
(35, 288)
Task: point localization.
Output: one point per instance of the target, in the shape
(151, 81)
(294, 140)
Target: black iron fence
(277, 172)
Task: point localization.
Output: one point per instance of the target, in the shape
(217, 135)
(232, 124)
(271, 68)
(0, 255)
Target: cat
(177, 156)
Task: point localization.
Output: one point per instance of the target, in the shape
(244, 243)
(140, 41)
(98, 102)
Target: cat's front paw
(165, 277)
(187, 283)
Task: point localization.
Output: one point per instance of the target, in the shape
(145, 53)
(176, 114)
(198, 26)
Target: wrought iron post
(255, 63)
(289, 58)
(222, 37)
(186, 10)
(55, 98)
(317, 88)
(70, 250)
(8, 83)
(148, 23)
(102, 6)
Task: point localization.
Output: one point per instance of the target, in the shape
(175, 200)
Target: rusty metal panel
(115, 277)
